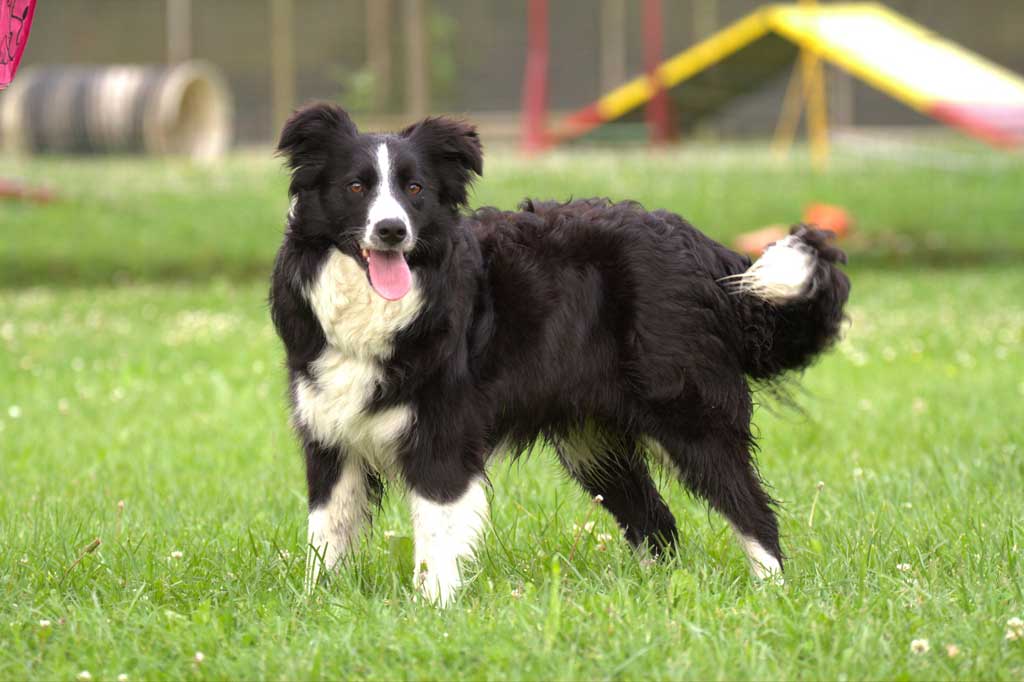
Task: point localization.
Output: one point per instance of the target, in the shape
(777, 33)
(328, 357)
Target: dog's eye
(356, 187)
(414, 188)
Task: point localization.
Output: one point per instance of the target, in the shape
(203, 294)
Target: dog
(423, 341)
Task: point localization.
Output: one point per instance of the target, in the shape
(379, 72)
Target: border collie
(422, 342)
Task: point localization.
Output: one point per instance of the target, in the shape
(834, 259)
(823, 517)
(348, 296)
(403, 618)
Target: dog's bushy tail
(790, 302)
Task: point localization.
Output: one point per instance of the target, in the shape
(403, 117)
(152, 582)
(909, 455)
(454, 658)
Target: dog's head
(377, 197)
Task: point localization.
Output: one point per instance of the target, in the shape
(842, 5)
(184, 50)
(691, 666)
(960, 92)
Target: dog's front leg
(341, 494)
(446, 530)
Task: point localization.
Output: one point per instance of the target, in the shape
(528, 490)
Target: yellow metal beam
(887, 51)
(684, 65)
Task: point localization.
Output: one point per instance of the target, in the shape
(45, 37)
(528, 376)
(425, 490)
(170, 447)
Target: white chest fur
(360, 327)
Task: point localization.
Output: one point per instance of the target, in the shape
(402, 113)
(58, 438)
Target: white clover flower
(84, 676)
(952, 650)
(588, 526)
(199, 658)
(1014, 629)
(920, 646)
(176, 554)
(44, 623)
(903, 567)
(14, 412)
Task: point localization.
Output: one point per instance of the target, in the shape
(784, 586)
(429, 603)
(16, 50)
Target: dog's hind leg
(715, 463)
(613, 468)
(341, 495)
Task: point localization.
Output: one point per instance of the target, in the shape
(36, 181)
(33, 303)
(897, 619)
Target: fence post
(179, 31)
(282, 61)
(417, 70)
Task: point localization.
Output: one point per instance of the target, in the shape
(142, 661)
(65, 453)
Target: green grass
(125, 219)
(168, 395)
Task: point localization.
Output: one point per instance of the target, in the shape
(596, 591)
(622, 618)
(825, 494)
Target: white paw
(767, 569)
(440, 584)
(762, 562)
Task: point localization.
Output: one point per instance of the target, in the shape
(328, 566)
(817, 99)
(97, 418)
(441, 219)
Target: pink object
(15, 22)
(389, 274)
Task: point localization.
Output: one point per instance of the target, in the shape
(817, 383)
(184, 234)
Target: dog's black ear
(307, 137)
(455, 150)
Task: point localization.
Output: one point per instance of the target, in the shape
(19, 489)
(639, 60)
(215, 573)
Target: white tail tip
(780, 275)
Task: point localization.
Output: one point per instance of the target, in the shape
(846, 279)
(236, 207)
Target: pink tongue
(389, 274)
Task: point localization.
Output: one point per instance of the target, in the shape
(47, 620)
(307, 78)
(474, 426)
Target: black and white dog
(422, 342)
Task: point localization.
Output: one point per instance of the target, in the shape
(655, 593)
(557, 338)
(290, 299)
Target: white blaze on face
(385, 204)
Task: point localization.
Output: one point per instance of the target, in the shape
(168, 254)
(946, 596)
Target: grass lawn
(125, 219)
(165, 392)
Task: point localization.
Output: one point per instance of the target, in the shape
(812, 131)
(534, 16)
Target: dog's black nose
(390, 231)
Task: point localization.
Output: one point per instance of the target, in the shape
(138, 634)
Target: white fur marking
(385, 204)
(333, 408)
(762, 563)
(334, 526)
(444, 534)
(360, 327)
(780, 274)
(356, 320)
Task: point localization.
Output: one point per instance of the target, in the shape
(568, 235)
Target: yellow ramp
(886, 50)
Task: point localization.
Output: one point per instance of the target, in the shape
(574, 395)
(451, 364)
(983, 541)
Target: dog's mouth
(389, 273)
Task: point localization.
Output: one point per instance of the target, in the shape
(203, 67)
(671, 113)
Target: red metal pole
(657, 114)
(535, 77)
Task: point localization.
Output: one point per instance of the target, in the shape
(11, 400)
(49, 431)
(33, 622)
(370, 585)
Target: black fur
(551, 320)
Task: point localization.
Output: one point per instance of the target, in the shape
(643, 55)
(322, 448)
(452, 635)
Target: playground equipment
(884, 49)
(181, 109)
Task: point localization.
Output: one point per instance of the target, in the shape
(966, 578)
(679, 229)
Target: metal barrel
(182, 109)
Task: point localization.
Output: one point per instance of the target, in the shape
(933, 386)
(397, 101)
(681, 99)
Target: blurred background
(396, 59)
(137, 138)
